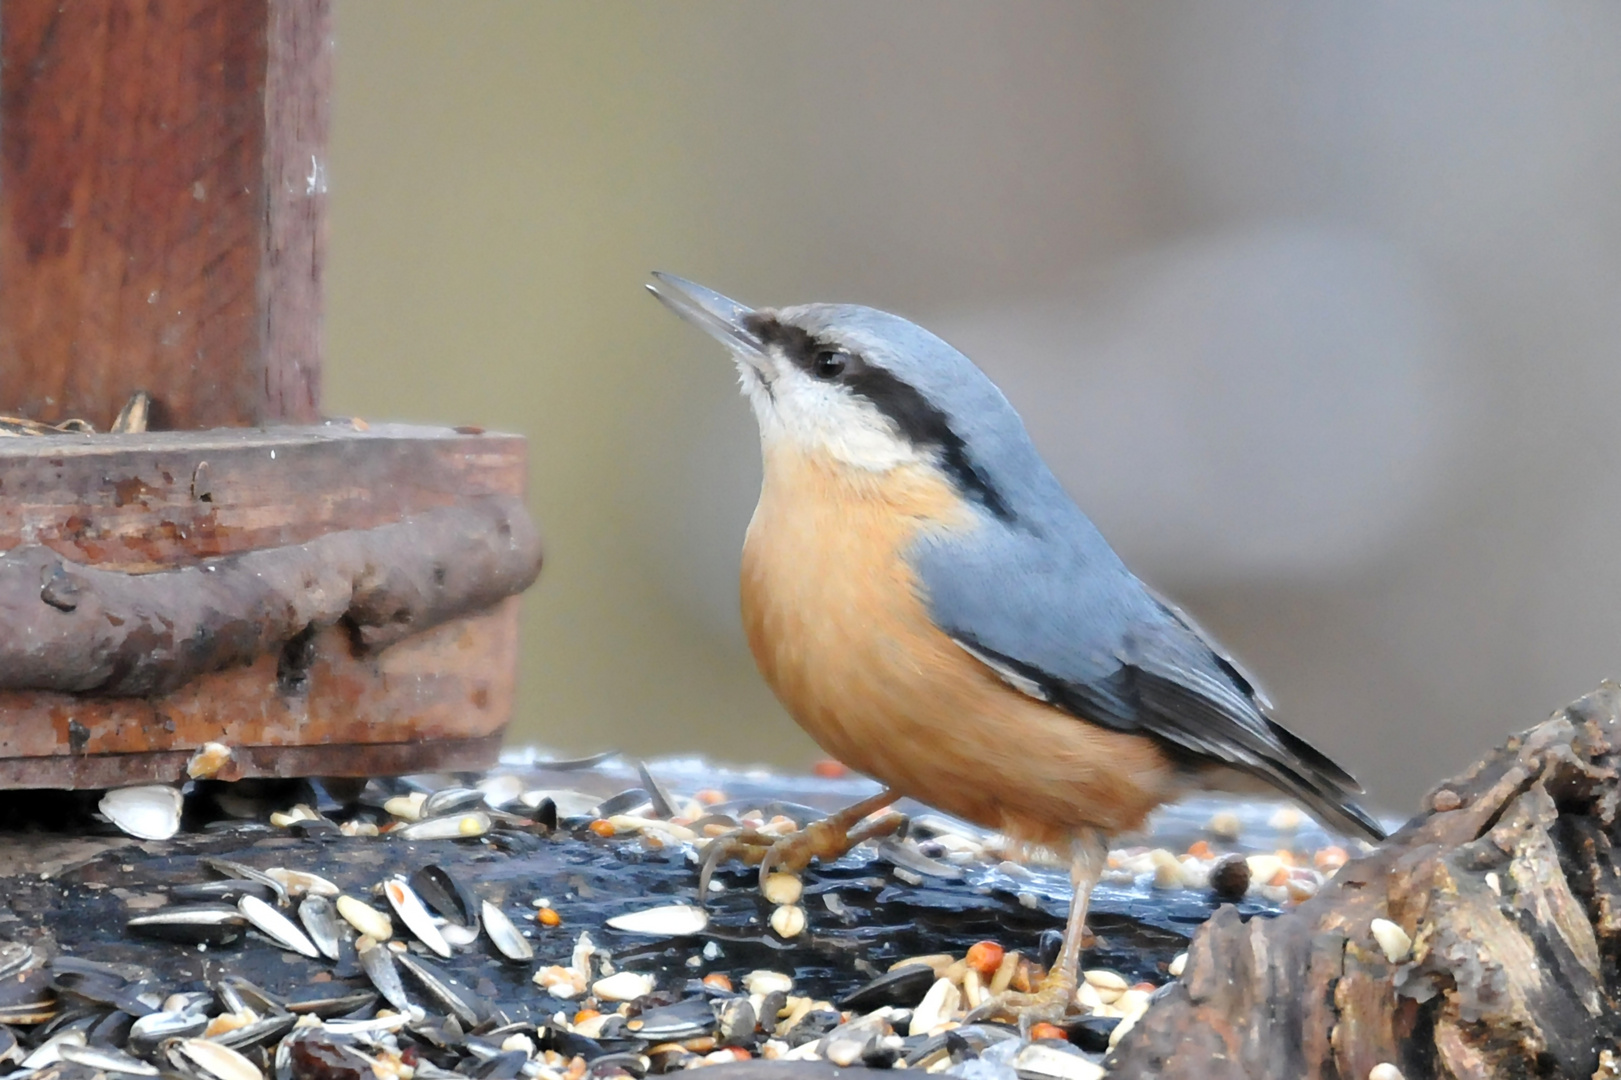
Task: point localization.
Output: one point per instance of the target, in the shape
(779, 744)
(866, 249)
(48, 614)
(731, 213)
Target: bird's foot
(1050, 1002)
(827, 839)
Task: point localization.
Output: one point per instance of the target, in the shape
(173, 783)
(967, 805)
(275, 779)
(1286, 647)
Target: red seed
(985, 957)
(1045, 1030)
(828, 769)
(602, 828)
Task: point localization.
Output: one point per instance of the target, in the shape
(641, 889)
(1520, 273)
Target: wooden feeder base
(367, 699)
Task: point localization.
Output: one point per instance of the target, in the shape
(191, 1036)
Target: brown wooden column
(162, 208)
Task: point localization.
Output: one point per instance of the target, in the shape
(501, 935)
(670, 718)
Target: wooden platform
(361, 703)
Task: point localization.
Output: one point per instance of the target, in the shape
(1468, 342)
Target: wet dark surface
(69, 892)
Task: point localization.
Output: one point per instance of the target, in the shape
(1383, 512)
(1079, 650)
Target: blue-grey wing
(1066, 622)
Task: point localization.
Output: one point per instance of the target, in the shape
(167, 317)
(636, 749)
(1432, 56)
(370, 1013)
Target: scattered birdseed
(1393, 940)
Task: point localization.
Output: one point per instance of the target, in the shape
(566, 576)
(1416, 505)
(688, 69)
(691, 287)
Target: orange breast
(837, 624)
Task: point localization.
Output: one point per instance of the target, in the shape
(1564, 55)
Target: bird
(931, 606)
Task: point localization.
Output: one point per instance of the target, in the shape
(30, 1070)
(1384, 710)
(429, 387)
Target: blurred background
(1316, 309)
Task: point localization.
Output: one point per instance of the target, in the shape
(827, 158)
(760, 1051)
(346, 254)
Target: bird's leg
(1052, 999)
(826, 840)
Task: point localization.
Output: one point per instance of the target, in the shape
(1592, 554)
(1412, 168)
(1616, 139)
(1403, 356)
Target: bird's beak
(708, 310)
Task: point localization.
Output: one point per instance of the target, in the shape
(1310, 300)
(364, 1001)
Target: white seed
(519, 1041)
(1167, 869)
(973, 991)
(207, 760)
(1494, 883)
(150, 812)
(560, 982)
(1263, 868)
(938, 1006)
(783, 888)
(406, 807)
(1224, 825)
(1086, 996)
(623, 986)
(1120, 1029)
(1107, 981)
(1195, 872)
(1285, 819)
(669, 920)
(1392, 939)
(1044, 1061)
(281, 819)
(276, 926)
(1179, 964)
(365, 919)
(788, 921)
(1386, 1071)
(219, 1061)
(302, 883)
(765, 982)
(1132, 1003)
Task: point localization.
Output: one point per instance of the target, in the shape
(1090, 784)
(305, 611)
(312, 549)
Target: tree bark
(1508, 887)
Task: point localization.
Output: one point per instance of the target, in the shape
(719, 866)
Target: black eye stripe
(914, 415)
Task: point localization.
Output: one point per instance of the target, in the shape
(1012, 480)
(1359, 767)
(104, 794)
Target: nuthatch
(937, 613)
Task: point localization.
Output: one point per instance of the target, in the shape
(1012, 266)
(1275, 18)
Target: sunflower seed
(150, 812)
(276, 926)
(409, 907)
(505, 936)
(450, 827)
(213, 924)
(450, 800)
(378, 963)
(669, 920)
(439, 987)
(320, 921)
(301, 883)
(241, 871)
(220, 1062)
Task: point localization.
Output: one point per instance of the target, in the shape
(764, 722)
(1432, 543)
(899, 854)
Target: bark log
(1508, 887)
(80, 629)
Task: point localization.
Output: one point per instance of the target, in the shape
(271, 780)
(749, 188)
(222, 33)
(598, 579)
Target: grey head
(875, 391)
(1035, 592)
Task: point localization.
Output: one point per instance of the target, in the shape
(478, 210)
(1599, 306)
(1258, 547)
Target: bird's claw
(826, 840)
(1051, 1003)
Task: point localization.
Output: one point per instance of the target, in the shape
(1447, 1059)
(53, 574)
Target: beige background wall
(1315, 307)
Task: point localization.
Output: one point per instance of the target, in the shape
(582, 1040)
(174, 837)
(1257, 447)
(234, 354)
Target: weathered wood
(1509, 890)
(339, 703)
(162, 208)
(84, 630)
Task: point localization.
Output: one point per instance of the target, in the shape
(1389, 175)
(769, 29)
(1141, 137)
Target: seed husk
(149, 812)
(302, 883)
(505, 936)
(450, 800)
(449, 827)
(212, 924)
(377, 961)
(276, 926)
(439, 987)
(414, 914)
(320, 919)
(217, 1061)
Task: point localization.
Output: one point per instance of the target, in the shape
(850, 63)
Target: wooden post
(162, 208)
(162, 228)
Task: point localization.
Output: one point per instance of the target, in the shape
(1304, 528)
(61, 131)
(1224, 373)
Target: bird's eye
(830, 363)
